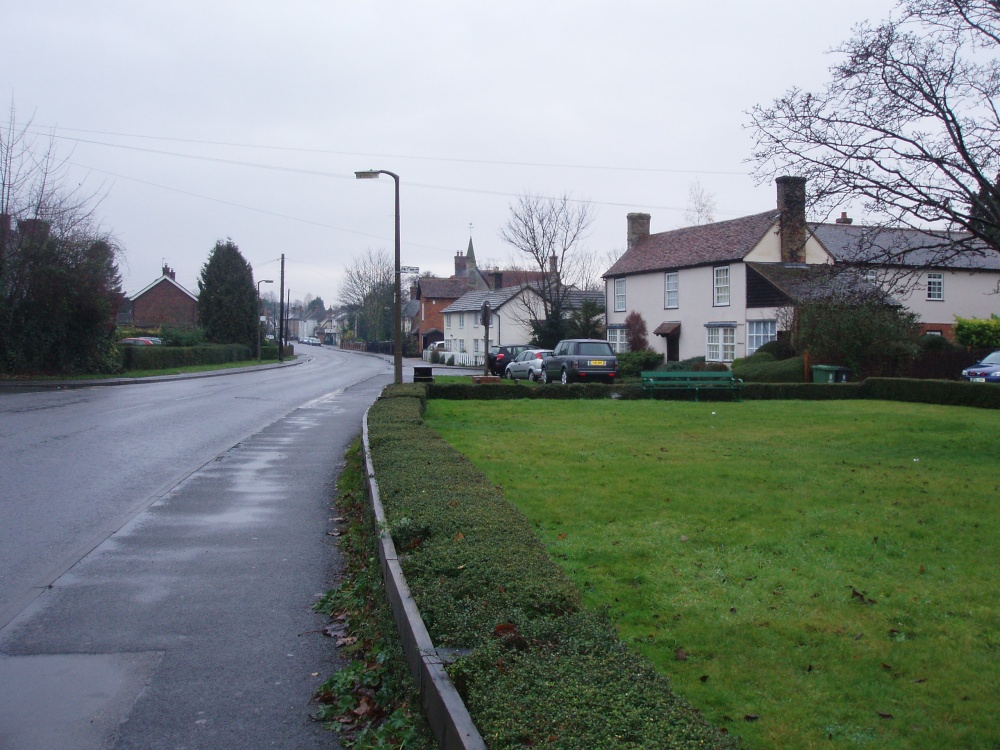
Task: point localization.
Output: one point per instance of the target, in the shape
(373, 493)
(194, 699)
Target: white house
(715, 290)
(511, 310)
(463, 329)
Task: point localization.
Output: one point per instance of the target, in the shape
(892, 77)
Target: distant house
(511, 310)
(164, 302)
(715, 290)
(435, 294)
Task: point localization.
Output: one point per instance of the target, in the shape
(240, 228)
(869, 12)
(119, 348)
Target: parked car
(437, 346)
(498, 357)
(987, 371)
(136, 341)
(527, 364)
(580, 359)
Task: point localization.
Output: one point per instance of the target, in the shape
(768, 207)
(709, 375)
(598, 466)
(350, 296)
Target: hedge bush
(763, 369)
(537, 670)
(630, 364)
(164, 357)
(945, 392)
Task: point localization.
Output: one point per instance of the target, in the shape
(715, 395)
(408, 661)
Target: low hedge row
(946, 392)
(537, 670)
(163, 357)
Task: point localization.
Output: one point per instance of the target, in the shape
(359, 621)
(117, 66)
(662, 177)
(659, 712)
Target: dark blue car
(987, 371)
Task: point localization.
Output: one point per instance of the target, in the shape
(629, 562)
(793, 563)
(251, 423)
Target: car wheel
(509, 375)
(531, 376)
(565, 377)
(543, 378)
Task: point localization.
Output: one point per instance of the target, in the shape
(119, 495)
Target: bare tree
(59, 281)
(367, 294)
(701, 205)
(546, 233)
(909, 124)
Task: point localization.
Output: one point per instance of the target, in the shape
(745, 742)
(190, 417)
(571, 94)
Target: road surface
(160, 548)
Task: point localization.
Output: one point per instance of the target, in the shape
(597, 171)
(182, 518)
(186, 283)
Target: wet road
(160, 546)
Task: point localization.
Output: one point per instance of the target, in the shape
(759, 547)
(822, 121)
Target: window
(721, 286)
(461, 320)
(759, 332)
(871, 276)
(670, 299)
(461, 345)
(616, 337)
(476, 343)
(619, 295)
(447, 320)
(935, 286)
(721, 344)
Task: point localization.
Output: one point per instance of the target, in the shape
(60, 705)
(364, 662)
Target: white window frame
(616, 337)
(720, 286)
(447, 320)
(720, 344)
(619, 295)
(461, 345)
(760, 332)
(871, 276)
(461, 320)
(935, 287)
(671, 290)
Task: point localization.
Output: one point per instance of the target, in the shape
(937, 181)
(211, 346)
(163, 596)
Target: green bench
(655, 380)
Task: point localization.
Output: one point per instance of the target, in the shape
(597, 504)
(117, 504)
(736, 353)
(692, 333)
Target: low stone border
(446, 713)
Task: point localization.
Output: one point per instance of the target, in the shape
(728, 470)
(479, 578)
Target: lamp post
(262, 281)
(397, 293)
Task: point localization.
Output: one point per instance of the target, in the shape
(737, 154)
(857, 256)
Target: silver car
(527, 364)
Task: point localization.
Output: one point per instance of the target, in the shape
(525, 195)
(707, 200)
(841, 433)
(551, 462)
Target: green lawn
(830, 568)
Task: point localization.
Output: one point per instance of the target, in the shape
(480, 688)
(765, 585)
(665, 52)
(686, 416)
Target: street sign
(409, 269)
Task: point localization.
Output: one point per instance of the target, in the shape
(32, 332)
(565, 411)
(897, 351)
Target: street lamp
(397, 311)
(262, 281)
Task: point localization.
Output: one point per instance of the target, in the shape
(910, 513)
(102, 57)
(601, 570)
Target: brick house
(164, 302)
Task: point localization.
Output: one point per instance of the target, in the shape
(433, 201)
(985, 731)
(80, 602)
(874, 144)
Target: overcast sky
(215, 119)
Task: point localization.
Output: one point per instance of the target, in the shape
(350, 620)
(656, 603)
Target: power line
(453, 160)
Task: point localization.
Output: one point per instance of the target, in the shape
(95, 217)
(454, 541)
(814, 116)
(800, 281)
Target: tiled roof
(442, 288)
(498, 297)
(720, 242)
(813, 283)
(474, 300)
(851, 243)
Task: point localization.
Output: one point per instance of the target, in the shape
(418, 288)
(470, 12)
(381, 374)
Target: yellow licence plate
(597, 363)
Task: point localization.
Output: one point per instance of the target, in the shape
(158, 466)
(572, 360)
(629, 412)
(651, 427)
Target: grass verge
(808, 573)
(534, 668)
(371, 703)
(149, 373)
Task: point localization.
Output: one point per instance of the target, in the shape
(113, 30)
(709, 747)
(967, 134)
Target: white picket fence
(462, 359)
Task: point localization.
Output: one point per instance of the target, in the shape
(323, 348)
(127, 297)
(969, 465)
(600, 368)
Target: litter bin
(843, 374)
(423, 374)
(825, 373)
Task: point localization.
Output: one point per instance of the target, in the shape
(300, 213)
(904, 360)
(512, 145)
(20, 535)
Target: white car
(527, 364)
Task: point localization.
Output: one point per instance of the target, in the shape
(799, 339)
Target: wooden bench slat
(695, 381)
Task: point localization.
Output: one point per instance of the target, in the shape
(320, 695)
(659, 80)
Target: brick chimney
(460, 265)
(638, 228)
(169, 272)
(844, 218)
(497, 279)
(792, 204)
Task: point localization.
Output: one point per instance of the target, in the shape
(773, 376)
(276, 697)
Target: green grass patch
(807, 573)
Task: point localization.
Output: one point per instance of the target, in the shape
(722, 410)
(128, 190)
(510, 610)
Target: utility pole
(281, 314)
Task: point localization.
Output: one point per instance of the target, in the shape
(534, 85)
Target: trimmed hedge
(537, 670)
(945, 392)
(163, 357)
(763, 368)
